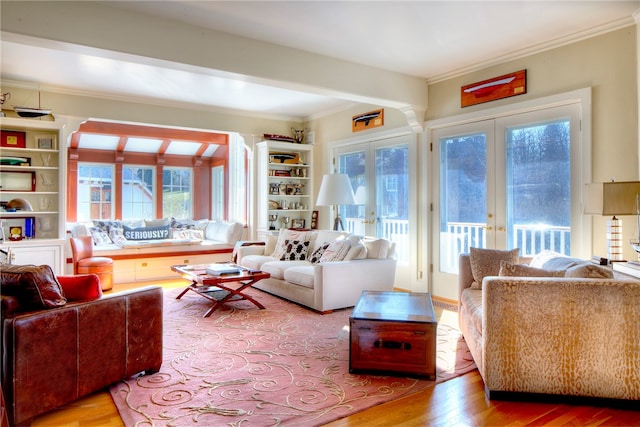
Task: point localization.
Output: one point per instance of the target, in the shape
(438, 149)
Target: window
(134, 171)
(95, 192)
(138, 192)
(217, 194)
(176, 193)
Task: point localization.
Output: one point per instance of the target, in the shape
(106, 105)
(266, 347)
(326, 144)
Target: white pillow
(336, 251)
(357, 249)
(377, 248)
(539, 259)
(216, 231)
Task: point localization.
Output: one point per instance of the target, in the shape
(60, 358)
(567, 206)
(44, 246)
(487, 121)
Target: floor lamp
(335, 190)
(612, 199)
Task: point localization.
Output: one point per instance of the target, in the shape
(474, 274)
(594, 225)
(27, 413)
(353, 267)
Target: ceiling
(428, 39)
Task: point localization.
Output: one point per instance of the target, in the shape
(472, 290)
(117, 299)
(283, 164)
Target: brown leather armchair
(84, 343)
(85, 263)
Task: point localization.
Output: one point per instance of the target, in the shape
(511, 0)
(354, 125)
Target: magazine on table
(221, 269)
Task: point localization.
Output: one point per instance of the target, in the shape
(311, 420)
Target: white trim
(359, 139)
(576, 96)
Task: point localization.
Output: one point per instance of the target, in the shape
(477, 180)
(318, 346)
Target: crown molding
(541, 47)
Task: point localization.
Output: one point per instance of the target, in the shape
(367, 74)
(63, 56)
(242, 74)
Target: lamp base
(614, 239)
(338, 222)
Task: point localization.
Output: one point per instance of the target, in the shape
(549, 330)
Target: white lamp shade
(335, 189)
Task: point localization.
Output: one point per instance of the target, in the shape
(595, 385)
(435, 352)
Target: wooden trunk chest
(393, 332)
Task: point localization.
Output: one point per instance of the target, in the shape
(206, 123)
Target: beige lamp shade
(611, 198)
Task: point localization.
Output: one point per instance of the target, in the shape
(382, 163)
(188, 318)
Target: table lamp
(335, 190)
(611, 199)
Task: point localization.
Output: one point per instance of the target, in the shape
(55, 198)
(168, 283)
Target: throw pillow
(187, 234)
(146, 233)
(357, 249)
(377, 248)
(99, 236)
(182, 224)
(287, 234)
(317, 254)
(486, 262)
(550, 260)
(83, 287)
(296, 250)
(107, 225)
(523, 270)
(162, 222)
(586, 270)
(35, 287)
(336, 251)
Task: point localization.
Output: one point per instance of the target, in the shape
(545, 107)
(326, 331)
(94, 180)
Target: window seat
(142, 260)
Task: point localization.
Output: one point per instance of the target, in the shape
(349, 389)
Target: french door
(381, 172)
(504, 183)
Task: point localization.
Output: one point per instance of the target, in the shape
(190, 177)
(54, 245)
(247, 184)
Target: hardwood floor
(458, 402)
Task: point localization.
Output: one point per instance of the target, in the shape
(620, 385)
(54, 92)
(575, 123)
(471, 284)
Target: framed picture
(314, 220)
(17, 181)
(13, 139)
(46, 142)
(297, 223)
(369, 120)
(15, 232)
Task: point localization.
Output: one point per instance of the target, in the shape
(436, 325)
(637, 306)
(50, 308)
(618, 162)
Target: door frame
(583, 242)
(410, 277)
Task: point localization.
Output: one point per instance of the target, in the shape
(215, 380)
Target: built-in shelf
(286, 181)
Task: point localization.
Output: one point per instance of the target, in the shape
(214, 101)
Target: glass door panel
(380, 177)
(354, 164)
(463, 199)
(538, 181)
(392, 197)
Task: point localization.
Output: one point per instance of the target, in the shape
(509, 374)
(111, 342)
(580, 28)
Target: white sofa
(369, 264)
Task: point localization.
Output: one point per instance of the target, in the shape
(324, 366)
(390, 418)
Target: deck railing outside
(460, 236)
(530, 238)
(396, 230)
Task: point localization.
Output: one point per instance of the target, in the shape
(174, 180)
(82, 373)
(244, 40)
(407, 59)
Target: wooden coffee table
(393, 332)
(219, 289)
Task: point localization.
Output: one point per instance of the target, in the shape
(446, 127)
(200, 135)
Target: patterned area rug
(284, 365)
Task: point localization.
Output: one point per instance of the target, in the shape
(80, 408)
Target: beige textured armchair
(553, 335)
